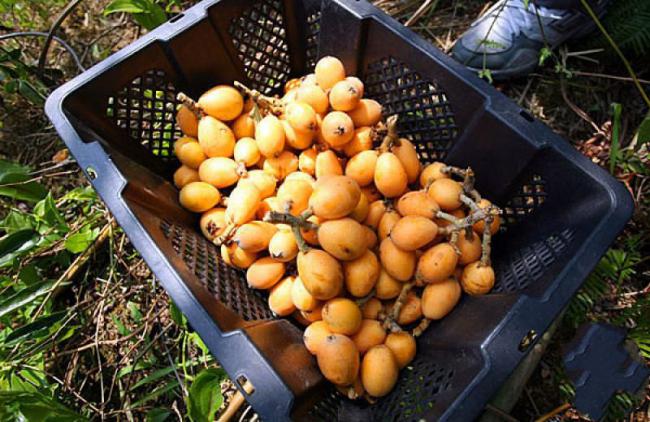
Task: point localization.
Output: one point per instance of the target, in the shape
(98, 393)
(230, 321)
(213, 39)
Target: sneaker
(508, 39)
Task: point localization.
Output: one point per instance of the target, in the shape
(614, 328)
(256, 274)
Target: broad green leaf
(154, 376)
(34, 407)
(29, 274)
(23, 297)
(49, 216)
(35, 330)
(158, 415)
(145, 12)
(80, 241)
(17, 220)
(156, 393)
(16, 244)
(16, 185)
(128, 6)
(205, 396)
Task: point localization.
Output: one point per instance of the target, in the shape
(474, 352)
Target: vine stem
(48, 41)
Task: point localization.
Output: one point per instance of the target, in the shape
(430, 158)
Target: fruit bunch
(382, 245)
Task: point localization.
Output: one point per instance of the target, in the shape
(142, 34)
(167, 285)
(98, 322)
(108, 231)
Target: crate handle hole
(177, 18)
(245, 384)
(526, 115)
(92, 173)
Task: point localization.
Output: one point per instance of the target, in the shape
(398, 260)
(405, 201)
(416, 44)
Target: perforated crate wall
(146, 108)
(425, 114)
(226, 283)
(260, 38)
(521, 268)
(313, 22)
(528, 197)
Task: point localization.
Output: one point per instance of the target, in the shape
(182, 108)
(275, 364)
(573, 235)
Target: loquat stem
(192, 105)
(487, 238)
(471, 204)
(266, 104)
(349, 392)
(392, 137)
(421, 328)
(453, 241)
(228, 233)
(296, 224)
(389, 322)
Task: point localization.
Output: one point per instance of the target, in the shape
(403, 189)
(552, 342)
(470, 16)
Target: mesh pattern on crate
(425, 113)
(225, 283)
(327, 408)
(415, 392)
(146, 108)
(525, 266)
(313, 26)
(526, 199)
(413, 396)
(260, 38)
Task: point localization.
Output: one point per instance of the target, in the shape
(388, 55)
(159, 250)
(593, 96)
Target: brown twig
(554, 412)
(191, 105)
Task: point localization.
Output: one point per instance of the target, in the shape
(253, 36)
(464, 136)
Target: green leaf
(27, 90)
(24, 296)
(644, 132)
(158, 415)
(34, 330)
(616, 135)
(81, 240)
(81, 194)
(544, 54)
(120, 326)
(34, 407)
(134, 309)
(205, 397)
(146, 12)
(14, 183)
(128, 6)
(156, 393)
(16, 244)
(49, 216)
(29, 274)
(154, 376)
(16, 220)
(177, 315)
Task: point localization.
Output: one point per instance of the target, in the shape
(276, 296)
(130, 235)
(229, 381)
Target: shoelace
(514, 15)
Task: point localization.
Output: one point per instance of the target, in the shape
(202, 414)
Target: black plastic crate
(561, 210)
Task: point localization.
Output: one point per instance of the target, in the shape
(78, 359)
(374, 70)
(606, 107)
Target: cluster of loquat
(382, 244)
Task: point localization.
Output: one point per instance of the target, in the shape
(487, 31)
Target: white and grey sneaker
(508, 38)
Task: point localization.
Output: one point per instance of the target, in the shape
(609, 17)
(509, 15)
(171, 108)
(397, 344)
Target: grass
(87, 332)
